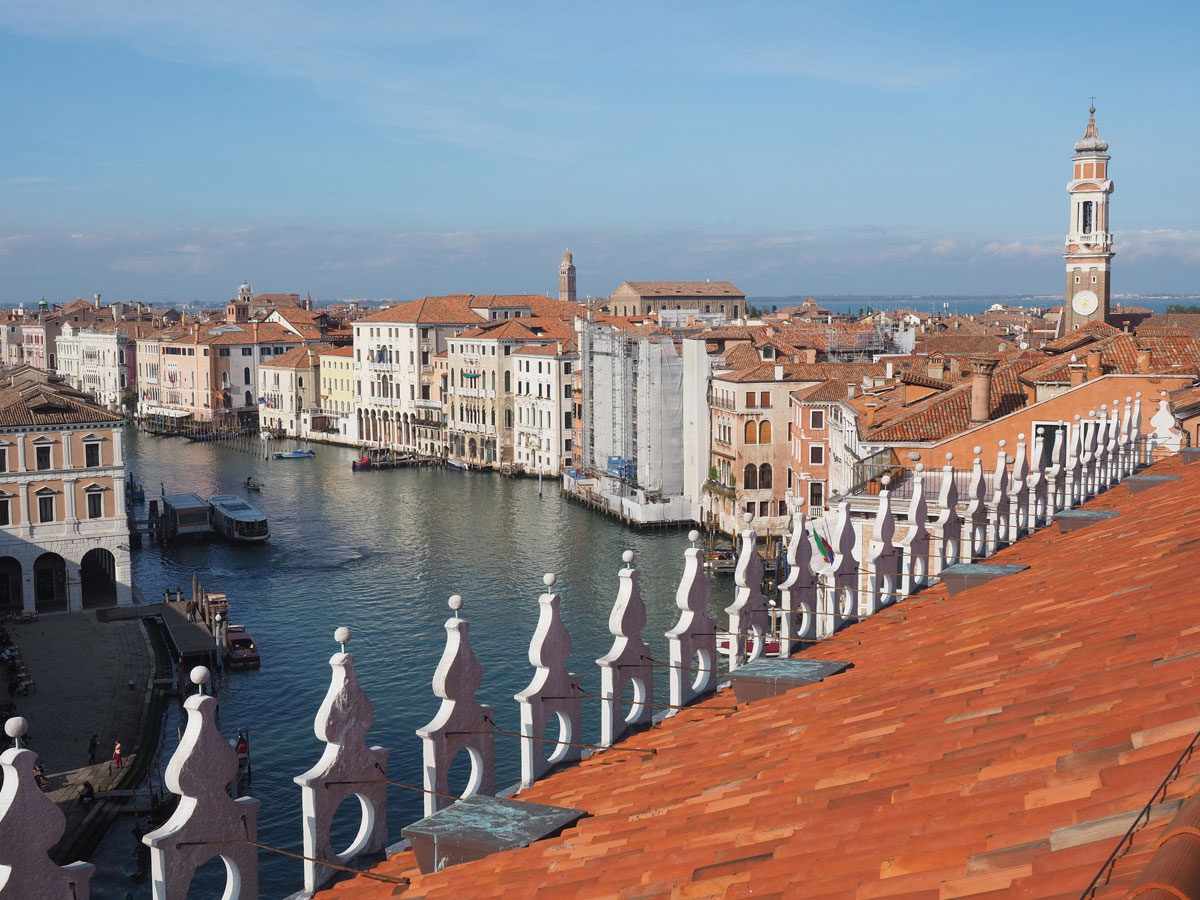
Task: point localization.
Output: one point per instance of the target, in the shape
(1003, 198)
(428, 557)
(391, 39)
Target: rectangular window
(765, 400)
(566, 392)
(45, 509)
(764, 508)
(224, 351)
(789, 478)
(3, 459)
(43, 458)
(566, 368)
(816, 495)
(816, 419)
(816, 454)
(91, 455)
(750, 398)
(247, 351)
(95, 505)
(4, 517)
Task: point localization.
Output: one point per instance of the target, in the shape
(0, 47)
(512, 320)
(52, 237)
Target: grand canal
(381, 552)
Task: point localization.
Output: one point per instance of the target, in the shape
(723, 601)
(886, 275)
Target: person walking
(117, 755)
(93, 747)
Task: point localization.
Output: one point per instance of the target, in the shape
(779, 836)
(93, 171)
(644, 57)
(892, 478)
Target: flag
(823, 548)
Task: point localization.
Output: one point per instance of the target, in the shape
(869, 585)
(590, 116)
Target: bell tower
(1089, 241)
(566, 278)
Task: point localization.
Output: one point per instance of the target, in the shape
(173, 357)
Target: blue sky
(167, 151)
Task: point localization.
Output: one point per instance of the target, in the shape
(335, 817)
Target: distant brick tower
(566, 278)
(1089, 241)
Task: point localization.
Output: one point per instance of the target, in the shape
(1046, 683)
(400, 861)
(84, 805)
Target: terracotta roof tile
(995, 744)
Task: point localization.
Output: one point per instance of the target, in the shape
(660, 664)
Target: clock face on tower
(1085, 303)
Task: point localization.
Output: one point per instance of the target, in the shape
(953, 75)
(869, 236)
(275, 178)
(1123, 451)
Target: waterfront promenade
(90, 677)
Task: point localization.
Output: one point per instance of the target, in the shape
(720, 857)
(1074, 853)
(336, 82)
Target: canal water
(381, 552)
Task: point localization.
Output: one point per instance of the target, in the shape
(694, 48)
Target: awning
(166, 413)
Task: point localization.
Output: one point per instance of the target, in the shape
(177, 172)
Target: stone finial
(998, 506)
(32, 824)
(749, 620)
(947, 525)
(692, 643)
(207, 823)
(840, 576)
(975, 540)
(798, 591)
(461, 723)
(1167, 437)
(914, 546)
(552, 695)
(1018, 493)
(347, 768)
(882, 561)
(628, 663)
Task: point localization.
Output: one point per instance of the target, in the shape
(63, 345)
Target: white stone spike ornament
(461, 723)
(1167, 437)
(1141, 453)
(1112, 452)
(692, 643)
(207, 823)
(31, 824)
(882, 562)
(1125, 442)
(1056, 472)
(947, 524)
(976, 519)
(749, 620)
(840, 600)
(998, 533)
(1018, 493)
(1087, 458)
(628, 662)
(1072, 466)
(347, 768)
(798, 591)
(552, 697)
(1036, 482)
(914, 546)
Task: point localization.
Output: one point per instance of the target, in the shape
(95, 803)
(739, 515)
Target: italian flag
(823, 548)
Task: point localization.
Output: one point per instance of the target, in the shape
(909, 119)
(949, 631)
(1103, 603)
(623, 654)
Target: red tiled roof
(32, 397)
(339, 351)
(453, 309)
(805, 372)
(993, 744)
(306, 357)
(1172, 352)
(683, 289)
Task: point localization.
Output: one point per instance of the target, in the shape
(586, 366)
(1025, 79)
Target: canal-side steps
(831, 583)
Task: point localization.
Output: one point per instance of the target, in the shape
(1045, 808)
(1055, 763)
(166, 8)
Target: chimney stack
(1077, 371)
(810, 355)
(935, 367)
(870, 407)
(1094, 370)
(955, 368)
(779, 373)
(850, 386)
(1143, 361)
(982, 368)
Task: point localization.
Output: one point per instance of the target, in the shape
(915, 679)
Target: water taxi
(240, 649)
(294, 454)
(236, 519)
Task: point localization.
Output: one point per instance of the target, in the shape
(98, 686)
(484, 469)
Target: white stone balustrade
(347, 768)
(692, 643)
(947, 524)
(31, 824)
(914, 547)
(207, 823)
(798, 591)
(461, 723)
(749, 618)
(882, 560)
(838, 598)
(552, 695)
(1018, 492)
(1037, 484)
(628, 664)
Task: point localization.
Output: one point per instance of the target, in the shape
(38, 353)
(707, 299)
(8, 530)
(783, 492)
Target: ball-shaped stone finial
(1003, 443)
(693, 535)
(886, 480)
(455, 602)
(200, 675)
(914, 456)
(1021, 436)
(1076, 417)
(218, 617)
(747, 518)
(16, 727)
(549, 579)
(977, 450)
(919, 467)
(342, 635)
(1128, 399)
(627, 557)
(1138, 395)
(1103, 407)
(949, 457)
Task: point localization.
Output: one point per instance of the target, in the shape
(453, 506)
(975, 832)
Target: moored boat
(294, 454)
(456, 465)
(240, 650)
(363, 463)
(251, 485)
(236, 519)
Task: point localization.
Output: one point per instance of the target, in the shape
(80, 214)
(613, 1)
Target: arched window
(750, 478)
(764, 475)
(1087, 217)
(249, 399)
(493, 383)
(246, 375)
(508, 417)
(508, 382)
(751, 432)
(764, 431)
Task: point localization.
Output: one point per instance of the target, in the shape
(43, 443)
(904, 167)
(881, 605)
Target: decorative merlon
(628, 663)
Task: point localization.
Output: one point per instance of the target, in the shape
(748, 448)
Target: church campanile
(566, 278)
(1089, 241)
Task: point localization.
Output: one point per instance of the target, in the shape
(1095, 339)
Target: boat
(457, 466)
(240, 649)
(294, 454)
(251, 485)
(236, 519)
(364, 463)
